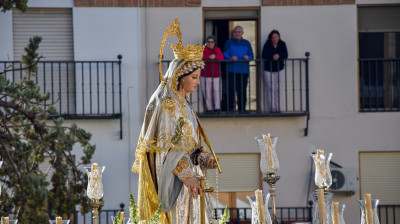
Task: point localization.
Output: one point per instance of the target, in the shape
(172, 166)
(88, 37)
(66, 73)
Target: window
(55, 26)
(379, 177)
(232, 192)
(379, 58)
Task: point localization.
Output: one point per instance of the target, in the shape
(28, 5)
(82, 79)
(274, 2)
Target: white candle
(321, 164)
(260, 206)
(368, 208)
(336, 219)
(268, 142)
(95, 170)
(321, 206)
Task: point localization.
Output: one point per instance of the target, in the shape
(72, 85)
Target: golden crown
(190, 52)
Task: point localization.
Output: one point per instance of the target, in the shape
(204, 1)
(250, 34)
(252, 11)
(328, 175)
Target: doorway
(220, 23)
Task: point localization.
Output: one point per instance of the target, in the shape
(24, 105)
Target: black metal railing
(78, 89)
(235, 94)
(284, 214)
(252, 96)
(389, 214)
(379, 84)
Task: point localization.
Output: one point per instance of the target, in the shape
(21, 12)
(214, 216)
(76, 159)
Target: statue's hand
(193, 186)
(209, 162)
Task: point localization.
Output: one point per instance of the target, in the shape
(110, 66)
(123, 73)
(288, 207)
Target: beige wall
(329, 33)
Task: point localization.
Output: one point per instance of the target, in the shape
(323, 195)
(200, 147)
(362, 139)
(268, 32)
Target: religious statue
(170, 153)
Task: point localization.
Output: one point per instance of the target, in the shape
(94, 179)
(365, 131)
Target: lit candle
(58, 220)
(260, 206)
(122, 216)
(368, 208)
(268, 141)
(321, 205)
(336, 219)
(95, 166)
(5, 220)
(321, 164)
(95, 176)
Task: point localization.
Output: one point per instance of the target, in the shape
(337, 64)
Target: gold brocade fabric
(147, 194)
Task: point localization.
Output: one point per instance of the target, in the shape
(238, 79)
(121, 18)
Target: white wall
(102, 34)
(336, 125)
(153, 25)
(6, 41)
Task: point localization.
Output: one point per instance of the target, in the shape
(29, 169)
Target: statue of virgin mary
(170, 152)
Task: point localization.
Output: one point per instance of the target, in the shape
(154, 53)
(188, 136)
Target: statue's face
(191, 81)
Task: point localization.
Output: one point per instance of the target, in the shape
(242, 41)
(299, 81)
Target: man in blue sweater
(238, 50)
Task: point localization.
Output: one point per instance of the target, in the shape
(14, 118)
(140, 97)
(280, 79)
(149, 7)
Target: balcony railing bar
(98, 84)
(67, 69)
(105, 86)
(112, 81)
(90, 87)
(300, 86)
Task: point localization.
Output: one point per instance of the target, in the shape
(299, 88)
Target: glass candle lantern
(95, 185)
(323, 176)
(269, 160)
(337, 218)
(322, 209)
(255, 216)
(369, 216)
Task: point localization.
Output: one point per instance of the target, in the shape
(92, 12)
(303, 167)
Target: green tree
(6, 5)
(27, 139)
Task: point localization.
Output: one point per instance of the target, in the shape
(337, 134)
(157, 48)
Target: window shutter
(240, 172)
(53, 25)
(379, 175)
(379, 19)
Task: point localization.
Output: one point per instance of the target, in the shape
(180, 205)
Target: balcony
(293, 90)
(78, 89)
(379, 84)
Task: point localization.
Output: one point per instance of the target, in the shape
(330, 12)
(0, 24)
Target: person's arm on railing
(283, 53)
(218, 54)
(250, 52)
(267, 53)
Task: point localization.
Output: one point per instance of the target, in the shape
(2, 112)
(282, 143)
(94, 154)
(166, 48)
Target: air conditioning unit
(344, 180)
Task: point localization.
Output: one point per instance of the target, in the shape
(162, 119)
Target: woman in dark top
(274, 53)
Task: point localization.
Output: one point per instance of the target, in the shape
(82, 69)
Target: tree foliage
(6, 5)
(27, 140)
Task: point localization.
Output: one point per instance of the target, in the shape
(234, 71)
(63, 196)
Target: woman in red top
(210, 83)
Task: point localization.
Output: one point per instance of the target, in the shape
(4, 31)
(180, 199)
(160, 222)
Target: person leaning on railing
(235, 49)
(210, 76)
(274, 52)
